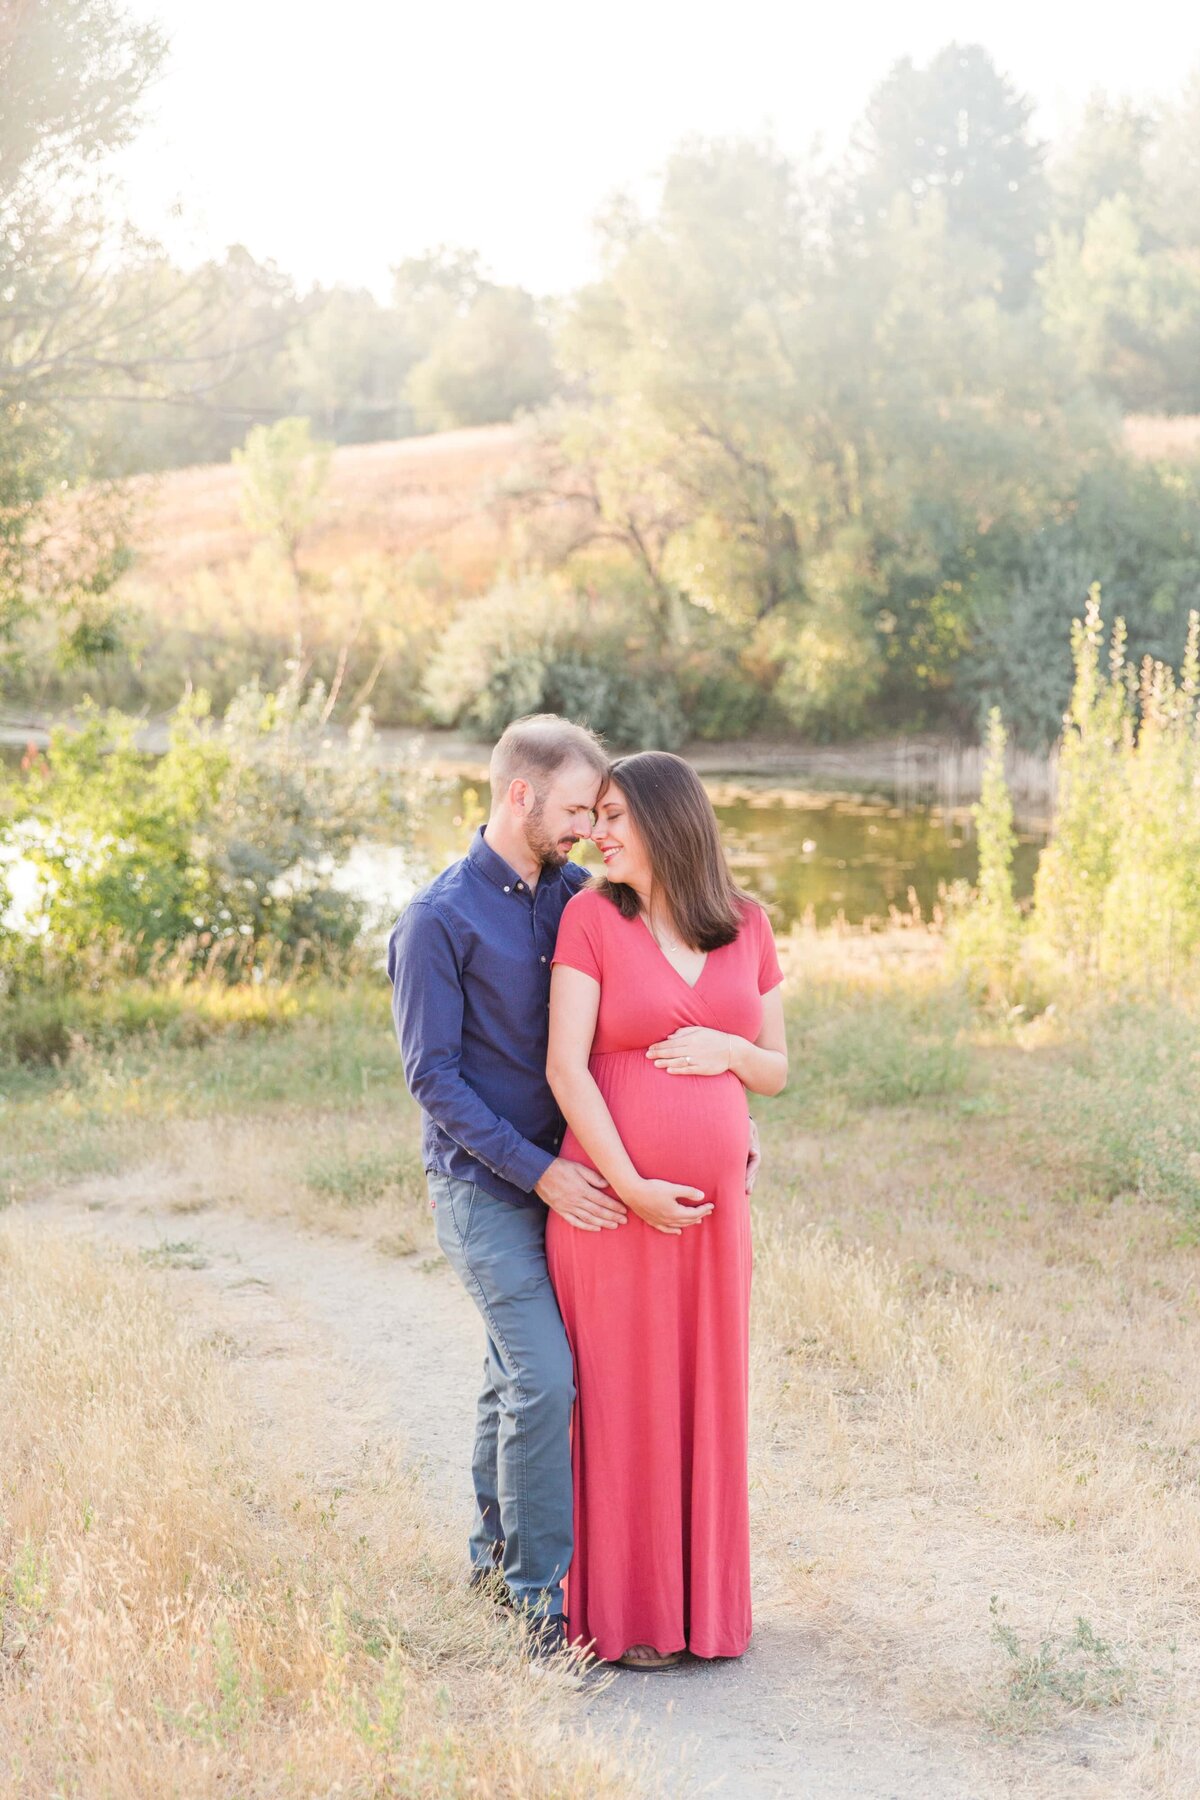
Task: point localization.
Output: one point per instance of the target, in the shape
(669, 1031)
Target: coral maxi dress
(658, 1325)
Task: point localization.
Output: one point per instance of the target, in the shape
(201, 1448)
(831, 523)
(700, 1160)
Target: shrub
(822, 665)
(985, 937)
(1118, 886)
(532, 646)
(1127, 1086)
(230, 837)
(1132, 530)
(1078, 863)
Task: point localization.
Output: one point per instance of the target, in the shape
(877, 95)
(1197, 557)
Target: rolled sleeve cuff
(527, 1167)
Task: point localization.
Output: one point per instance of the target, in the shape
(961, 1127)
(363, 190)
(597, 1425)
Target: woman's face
(616, 837)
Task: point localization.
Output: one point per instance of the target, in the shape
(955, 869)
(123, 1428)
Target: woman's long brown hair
(675, 820)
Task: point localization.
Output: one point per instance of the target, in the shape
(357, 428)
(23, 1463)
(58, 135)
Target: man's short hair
(535, 748)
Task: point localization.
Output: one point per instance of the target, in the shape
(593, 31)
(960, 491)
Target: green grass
(851, 1050)
(1115, 1109)
(320, 1049)
(358, 1179)
(1059, 1673)
(47, 1025)
(1104, 1100)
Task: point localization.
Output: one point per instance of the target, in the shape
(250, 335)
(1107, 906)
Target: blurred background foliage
(831, 444)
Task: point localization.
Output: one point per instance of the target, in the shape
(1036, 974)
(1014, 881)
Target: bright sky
(339, 138)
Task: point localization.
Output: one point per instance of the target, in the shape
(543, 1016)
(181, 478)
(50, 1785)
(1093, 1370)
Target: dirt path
(385, 1348)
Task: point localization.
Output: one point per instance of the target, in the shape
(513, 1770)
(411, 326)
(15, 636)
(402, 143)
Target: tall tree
(73, 74)
(1104, 157)
(1176, 168)
(94, 316)
(958, 133)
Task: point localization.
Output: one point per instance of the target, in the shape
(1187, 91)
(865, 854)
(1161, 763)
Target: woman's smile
(608, 852)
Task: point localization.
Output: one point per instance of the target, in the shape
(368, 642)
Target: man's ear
(518, 795)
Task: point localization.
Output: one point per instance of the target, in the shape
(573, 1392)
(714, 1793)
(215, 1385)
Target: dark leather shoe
(491, 1584)
(546, 1637)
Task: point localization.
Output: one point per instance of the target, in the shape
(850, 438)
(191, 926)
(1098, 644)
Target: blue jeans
(522, 1462)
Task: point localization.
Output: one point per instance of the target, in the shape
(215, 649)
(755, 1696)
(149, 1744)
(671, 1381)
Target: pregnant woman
(665, 1008)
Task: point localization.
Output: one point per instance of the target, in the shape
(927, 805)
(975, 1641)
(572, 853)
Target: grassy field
(406, 532)
(180, 1617)
(401, 498)
(396, 499)
(977, 1429)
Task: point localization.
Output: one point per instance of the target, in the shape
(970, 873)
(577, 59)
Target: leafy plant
(985, 936)
(1075, 1671)
(230, 837)
(533, 646)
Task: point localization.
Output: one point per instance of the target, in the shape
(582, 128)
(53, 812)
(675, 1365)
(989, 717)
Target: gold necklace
(670, 944)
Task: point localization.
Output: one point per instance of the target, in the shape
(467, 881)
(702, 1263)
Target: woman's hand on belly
(668, 1206)
(693, 1050)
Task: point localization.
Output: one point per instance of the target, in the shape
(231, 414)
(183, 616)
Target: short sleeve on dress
(579, 944)
(769, 972)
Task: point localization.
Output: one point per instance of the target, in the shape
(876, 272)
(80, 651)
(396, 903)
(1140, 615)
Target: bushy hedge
(229, 839)
(537, 645)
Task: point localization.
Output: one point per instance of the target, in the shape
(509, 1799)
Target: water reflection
(793, 849)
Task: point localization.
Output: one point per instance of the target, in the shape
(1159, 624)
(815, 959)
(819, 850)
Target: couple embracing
(581, 1050)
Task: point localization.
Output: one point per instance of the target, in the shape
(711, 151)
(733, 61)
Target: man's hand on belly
(754, 1159)
(576, 1193)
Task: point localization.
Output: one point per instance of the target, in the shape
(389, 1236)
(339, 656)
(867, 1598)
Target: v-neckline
(691, 986)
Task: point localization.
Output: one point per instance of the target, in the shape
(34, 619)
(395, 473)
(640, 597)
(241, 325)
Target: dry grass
(180, 1616)
(394, 499)
(977, 1424)
(977, 1421)
(405, 533)
(1156, 437)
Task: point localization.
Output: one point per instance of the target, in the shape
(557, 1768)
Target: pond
(797, 848)
(793, 848)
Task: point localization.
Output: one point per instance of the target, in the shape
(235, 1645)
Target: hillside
(421, 493)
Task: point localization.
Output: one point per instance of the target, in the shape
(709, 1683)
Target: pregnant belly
(688, 1128)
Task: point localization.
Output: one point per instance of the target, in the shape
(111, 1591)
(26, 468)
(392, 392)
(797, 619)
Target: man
(469, 961)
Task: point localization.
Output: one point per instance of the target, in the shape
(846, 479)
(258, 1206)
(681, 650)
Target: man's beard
(549, 852)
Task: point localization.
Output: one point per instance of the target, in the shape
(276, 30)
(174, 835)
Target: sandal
(650, 1657)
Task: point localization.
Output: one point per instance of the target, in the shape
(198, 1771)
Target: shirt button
(542, 959)
(507, 889)
(520, 887)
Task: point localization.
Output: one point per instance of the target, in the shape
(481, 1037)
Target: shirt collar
(492, 865)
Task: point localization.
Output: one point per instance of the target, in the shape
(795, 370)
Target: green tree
(225, 364)
(486, 365)
(349, 360)
(830, 440)
(1130, 316)
(958, 132)
(284, 471)
(73, 75)
(96, 322)
(694, 354)
(1104, 157)
(1175, 167)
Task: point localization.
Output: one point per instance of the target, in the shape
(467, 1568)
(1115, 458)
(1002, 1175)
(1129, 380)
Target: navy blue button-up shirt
(469, 961)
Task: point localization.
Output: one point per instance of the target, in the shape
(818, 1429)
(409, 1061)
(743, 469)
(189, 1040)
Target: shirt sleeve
(769, 972)
(579, 943)
(425, 967)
